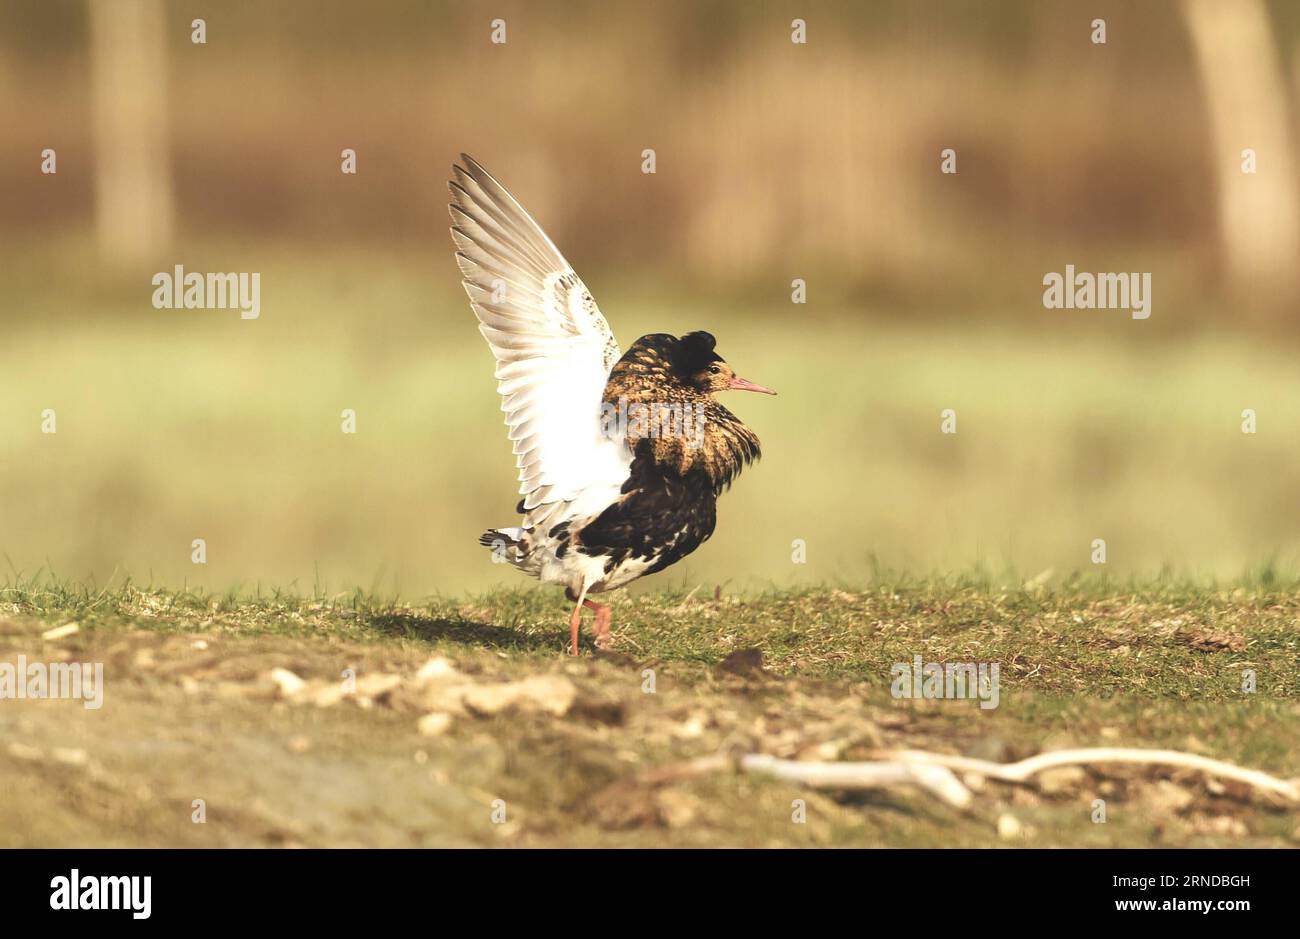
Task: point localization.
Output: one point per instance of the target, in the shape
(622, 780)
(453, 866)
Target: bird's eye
(714, 369)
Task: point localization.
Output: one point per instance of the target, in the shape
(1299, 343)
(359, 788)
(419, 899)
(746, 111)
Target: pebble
(1009, 827)
(433, 725)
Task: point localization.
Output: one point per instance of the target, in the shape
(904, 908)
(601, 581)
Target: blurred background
(775, 161)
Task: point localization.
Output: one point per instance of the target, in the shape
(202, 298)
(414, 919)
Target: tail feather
(506, 537)
(509, 545)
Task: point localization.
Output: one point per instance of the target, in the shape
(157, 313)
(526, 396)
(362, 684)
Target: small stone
(1009, 827)
(286, 682)
(1228, 825)
(435, 669)
(442, 696)
(693, 727)
(1168, 797)
(831, 749)
(553, 694)
(329, 694)
(1061, 779)
(298, 744)
(490, 699)
(376, 685)
(433, 725)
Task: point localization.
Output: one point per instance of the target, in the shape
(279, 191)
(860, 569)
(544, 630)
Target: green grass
(1088, 637)
(1062, 642)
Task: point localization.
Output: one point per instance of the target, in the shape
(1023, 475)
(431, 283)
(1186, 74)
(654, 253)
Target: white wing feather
(553, 348)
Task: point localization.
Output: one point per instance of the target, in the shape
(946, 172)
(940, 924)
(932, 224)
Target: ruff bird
(621, 456)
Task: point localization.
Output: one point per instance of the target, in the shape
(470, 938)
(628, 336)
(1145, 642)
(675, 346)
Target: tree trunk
(133, 193)
(1246, 95)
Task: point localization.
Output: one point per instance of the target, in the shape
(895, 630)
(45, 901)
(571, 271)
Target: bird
(621, 455)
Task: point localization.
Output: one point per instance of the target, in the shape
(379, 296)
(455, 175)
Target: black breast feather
(662, 516)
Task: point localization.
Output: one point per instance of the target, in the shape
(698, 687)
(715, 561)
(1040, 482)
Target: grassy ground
(194, 710)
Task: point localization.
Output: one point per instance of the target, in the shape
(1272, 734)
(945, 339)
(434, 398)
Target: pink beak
(744, 384)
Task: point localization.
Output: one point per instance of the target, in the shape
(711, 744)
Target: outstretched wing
(553, 348)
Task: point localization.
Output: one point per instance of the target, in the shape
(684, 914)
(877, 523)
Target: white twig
(1020, 772)
(936, 780)
(933, 772)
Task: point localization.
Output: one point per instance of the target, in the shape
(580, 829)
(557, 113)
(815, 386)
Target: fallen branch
(933, 772)
(936, 780)
(691, 769)
(933, 779)
(1020, 772)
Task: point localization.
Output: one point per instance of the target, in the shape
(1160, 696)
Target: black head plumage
(693, 353)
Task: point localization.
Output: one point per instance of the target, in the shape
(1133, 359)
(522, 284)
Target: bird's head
(702, 369)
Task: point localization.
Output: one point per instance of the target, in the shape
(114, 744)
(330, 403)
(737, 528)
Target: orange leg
(603, 639)
(574, 622)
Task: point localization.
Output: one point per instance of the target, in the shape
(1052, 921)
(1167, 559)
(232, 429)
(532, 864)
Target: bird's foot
(603, 638)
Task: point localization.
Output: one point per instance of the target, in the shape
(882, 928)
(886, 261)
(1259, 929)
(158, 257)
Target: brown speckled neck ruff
(655, 373)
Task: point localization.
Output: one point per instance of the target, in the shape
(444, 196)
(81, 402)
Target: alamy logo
(81, 681)
(1086, 291)
(952, 680)
(178, 290)
(654, 420)
(103, 893)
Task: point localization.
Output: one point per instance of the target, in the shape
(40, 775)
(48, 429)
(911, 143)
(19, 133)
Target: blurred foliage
(774, 159)
(175, 425)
